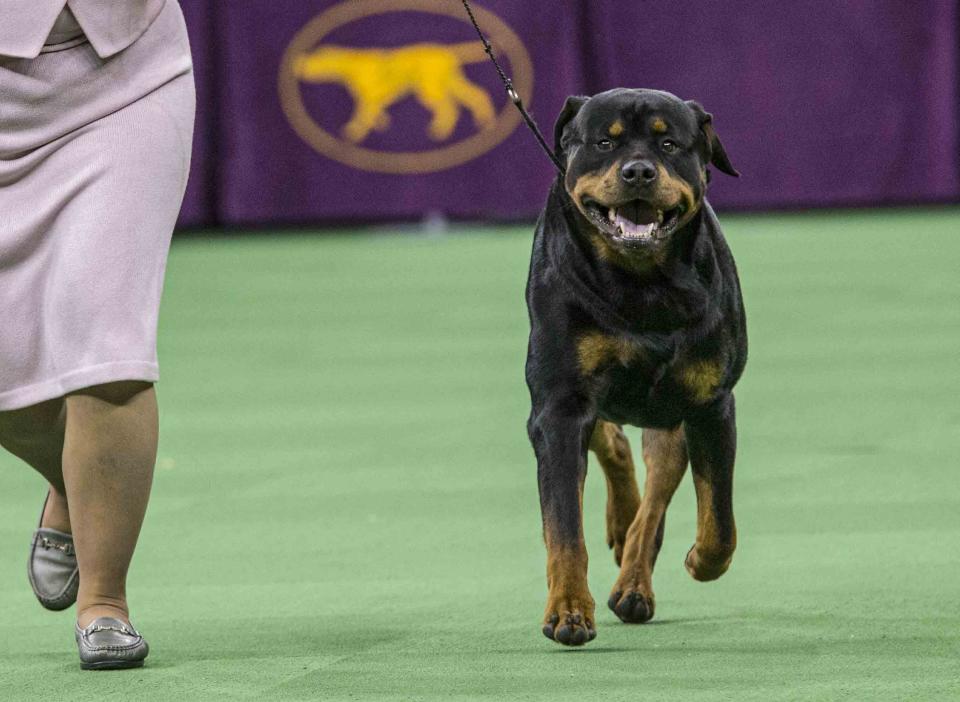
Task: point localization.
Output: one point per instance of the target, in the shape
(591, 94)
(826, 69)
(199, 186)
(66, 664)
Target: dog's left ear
(715, 151)
(570, 109)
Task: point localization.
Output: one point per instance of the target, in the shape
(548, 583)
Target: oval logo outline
(441, 158)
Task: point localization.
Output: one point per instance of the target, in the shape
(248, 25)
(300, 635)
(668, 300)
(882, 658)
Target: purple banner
(371, 110)
(818, 103)
(200, 201)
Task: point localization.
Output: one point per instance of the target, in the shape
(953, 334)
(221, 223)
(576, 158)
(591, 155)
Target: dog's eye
(604, 145)
(669, 146)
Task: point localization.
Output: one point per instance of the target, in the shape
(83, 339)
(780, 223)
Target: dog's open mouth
(633, 223)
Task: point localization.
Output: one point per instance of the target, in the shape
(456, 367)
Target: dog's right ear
(570, 109)
(716, 154)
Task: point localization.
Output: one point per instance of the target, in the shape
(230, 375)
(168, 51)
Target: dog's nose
(638, 172)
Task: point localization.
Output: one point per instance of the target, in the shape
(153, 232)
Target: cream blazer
(110, 25)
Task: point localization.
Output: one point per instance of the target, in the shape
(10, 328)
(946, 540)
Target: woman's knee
(103, 415)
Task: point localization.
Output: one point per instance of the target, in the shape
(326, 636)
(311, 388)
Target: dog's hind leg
(665, 455)
(712, 439)
(612, 450)
(444, 110)
(476, 100)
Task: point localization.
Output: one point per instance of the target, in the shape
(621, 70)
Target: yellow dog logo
(378, 78)
(431, 72)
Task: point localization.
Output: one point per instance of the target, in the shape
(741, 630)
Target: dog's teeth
(660, 216)
(612, 214)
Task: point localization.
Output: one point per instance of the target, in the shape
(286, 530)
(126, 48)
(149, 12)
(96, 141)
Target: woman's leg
(109, 451)
(35, 434)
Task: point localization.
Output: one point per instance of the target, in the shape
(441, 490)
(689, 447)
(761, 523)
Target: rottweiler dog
(636, 318)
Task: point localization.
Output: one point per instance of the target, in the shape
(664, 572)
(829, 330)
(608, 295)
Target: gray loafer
(52, 568)
(109, 644)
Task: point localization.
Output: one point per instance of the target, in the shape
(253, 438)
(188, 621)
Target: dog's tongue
(635, 219)
(639, 212)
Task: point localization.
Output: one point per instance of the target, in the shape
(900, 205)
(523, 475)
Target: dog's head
(637, 164)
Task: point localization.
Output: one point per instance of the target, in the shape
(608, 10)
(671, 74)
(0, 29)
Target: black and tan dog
(636, 318)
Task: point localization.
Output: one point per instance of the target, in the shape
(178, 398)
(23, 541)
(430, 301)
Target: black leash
(514, 96)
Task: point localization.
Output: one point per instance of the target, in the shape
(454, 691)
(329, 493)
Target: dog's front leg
(665, 455)
(560, 432)
(712, 443)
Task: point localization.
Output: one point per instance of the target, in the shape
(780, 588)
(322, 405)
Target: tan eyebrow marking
(659, 126)
(616, 129)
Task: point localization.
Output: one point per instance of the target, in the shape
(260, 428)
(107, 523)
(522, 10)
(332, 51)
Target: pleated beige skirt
(94, 156)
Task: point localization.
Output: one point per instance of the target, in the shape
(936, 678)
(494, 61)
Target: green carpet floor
(345, 505)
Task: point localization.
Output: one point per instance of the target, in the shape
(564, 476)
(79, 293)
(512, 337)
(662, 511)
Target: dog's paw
(707, 566)
(440, 130)
(355, 131)
(572, 630)
(632, 605)
(570, 623)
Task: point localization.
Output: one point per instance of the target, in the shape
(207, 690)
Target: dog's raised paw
(631, 606)
(707, 567)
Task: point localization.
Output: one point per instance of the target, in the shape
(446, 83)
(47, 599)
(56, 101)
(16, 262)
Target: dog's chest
(638, 385)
